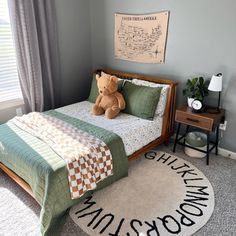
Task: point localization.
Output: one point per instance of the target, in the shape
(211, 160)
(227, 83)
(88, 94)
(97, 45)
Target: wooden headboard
(168, 118)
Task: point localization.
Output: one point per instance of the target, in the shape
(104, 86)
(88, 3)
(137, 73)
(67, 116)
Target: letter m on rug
(196, 197)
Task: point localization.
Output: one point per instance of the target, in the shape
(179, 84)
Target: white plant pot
(190, 100)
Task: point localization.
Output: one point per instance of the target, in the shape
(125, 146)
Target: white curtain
(35, 35)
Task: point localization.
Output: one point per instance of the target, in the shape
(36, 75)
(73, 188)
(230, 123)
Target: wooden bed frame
(167, 126)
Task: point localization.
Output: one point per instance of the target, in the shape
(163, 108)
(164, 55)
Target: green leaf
(196, 88)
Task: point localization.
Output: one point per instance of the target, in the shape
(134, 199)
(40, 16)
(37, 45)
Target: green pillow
(141, 101)
(94, 89)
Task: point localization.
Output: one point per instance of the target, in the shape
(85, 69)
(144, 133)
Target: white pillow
(163, 96)
(105, 74)
(119, 79)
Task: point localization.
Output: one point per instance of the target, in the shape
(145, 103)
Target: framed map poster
(141, 38)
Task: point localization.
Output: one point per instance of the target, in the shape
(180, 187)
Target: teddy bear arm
(121, 100)
(98, 100)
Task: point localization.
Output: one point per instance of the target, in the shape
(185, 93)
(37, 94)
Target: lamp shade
(216, 83)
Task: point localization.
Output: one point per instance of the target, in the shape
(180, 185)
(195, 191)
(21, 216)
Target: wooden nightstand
(205, 121)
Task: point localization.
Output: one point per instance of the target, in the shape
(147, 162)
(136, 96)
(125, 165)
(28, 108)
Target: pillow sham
(94, 88)
(160, 109)
(141, 101)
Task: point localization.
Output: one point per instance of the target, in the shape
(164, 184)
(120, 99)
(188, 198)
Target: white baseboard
(226, 153)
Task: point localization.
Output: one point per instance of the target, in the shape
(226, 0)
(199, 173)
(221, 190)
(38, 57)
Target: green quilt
(46, 172)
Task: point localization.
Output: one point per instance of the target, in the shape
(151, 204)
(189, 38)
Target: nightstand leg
(176, 138)
(208, 142)
(187, 129)
(217, 140)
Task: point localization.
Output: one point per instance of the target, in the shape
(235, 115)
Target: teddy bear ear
(97, 77)
(114, 78)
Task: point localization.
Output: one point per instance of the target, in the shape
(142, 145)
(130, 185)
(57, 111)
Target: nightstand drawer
(194, 120)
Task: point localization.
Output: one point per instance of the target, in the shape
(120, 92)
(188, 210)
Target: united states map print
(141, 38)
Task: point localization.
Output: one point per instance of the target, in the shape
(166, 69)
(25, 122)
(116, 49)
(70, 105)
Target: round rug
(163, 195)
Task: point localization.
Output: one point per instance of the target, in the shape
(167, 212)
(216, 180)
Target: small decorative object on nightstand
(196, 88)
(205, 121)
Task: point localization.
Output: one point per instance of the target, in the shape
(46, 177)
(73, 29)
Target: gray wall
(201, 41)
(73, 18)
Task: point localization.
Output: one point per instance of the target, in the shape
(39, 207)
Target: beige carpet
(19, 213)
(163, 195)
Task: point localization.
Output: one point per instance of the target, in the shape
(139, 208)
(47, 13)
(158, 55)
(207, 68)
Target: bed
(42, 173)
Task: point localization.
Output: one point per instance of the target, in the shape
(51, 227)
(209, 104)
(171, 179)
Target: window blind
(9, 81)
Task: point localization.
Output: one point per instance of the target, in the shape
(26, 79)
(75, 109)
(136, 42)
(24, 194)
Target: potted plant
(196, 88)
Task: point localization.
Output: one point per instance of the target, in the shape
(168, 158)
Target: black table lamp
(216, 86)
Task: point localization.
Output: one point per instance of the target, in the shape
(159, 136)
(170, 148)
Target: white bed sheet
(135, 132)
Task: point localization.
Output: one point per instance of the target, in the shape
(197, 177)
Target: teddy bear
(109, 100)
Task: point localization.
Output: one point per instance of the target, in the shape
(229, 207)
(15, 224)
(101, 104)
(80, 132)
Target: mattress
(134, 131)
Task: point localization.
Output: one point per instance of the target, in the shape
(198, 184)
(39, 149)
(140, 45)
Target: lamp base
(212, 110)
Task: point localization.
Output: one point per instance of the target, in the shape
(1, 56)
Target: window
(9, 81)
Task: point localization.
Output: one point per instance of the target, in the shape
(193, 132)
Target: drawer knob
(193, 120)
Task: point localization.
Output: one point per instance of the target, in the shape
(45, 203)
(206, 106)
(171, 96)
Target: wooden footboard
(167, 127)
